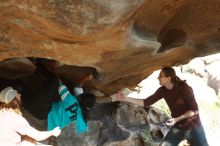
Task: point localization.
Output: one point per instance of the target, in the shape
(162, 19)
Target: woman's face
(163, 79)
(17, 99)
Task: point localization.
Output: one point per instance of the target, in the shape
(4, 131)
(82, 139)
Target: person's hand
(120, 96)
(89, 77)
(184, 143)
(58, 79)
(56, 131)
(171, 122)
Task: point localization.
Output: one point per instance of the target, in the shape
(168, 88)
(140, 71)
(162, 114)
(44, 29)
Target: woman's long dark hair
(170, 72)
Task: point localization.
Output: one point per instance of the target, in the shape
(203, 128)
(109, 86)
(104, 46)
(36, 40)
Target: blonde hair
(12, 106)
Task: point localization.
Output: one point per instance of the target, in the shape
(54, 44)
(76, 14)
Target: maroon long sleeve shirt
(180, 99)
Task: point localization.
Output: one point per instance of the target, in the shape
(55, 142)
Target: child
(71, 109)
(14, 126)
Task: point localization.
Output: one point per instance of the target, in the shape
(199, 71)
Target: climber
(71, 108)
(14, 126)
(179, 97)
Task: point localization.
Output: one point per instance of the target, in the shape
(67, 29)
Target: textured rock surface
(123, 40)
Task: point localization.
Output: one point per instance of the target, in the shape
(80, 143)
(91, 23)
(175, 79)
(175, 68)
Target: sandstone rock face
(124, 40)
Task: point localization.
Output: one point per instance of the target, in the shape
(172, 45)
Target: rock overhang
(123, 41)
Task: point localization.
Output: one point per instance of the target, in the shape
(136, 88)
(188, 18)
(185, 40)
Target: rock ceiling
(123, 40)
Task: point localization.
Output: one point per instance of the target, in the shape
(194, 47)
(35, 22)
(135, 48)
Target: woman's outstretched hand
(56, 131)
(120, 96)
